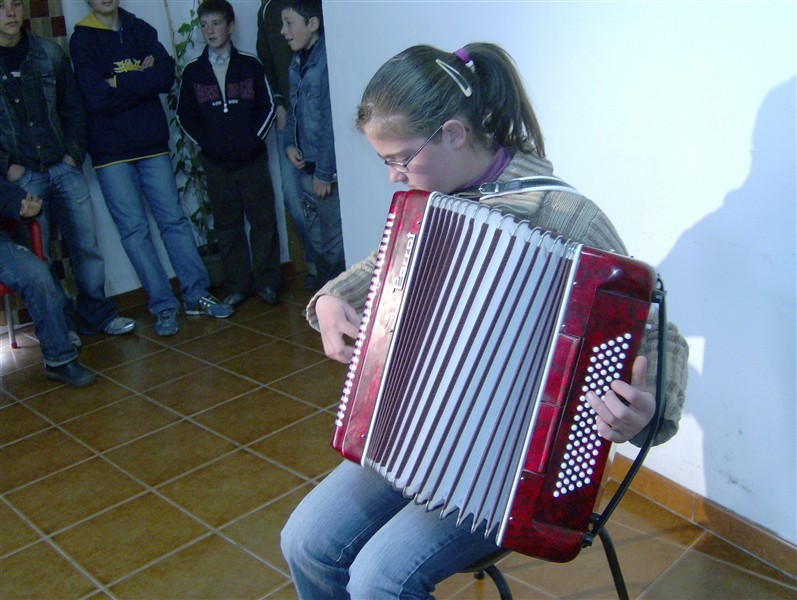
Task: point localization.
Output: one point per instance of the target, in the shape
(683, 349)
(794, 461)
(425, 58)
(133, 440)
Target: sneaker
(269, 295)
(167, 324)
(235, 299)
(71, 373)
(120, 326)
(75, 340)
(208, 305)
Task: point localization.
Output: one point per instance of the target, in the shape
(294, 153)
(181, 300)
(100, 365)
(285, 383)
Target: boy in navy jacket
(225, 106)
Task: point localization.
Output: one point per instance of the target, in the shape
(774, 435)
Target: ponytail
(420, 88)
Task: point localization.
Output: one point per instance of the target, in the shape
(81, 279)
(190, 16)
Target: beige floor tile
(200, 390)
(154, 369)
(294, 293)
(169, 452)
(66, 403)
(282, 321)
(260, 532)
(190, 328)
(698, 576)
(113, 351)
(27, 382)
(280, 399)
(26, 355)
(714, 547)
(73, 494)
(640, 513)
(226, 343)
(37, 456)
(41, 572)
(320, 384)
(250, 309)
(312, 437)
(210, 568)
(753, 538)
(128, 537)
(14, 531)
(272, 362)
(254, 415)
(229, 488)
(286, 592)
(16, 422)
(118, 423)
(309, 338)
(464, 586)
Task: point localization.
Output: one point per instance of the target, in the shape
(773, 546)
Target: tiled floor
(172, 476)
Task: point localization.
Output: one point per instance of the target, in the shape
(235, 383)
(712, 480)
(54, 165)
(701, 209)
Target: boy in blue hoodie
(225, 106)
(122, 69)
(309, 141)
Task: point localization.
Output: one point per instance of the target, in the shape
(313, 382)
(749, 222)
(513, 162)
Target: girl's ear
(455, 132)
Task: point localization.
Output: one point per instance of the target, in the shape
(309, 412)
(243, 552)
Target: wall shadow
(731, 281)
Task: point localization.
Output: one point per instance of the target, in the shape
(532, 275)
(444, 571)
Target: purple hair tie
(463, 55)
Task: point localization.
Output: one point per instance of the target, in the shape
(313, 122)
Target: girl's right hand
(336, 319)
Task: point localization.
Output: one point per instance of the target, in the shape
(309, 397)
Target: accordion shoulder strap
(540, 183)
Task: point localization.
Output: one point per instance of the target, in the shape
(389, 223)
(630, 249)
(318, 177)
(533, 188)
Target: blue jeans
(30, 277)
(323, 228)
(354, 535)
(66, 202)
(126, 187)
(292, 196)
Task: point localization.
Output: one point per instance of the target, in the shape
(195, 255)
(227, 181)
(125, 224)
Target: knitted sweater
(576, 218)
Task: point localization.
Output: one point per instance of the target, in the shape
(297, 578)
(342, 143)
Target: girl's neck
(489, 164)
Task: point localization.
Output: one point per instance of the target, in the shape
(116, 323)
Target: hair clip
(457, 77)
(463, 55)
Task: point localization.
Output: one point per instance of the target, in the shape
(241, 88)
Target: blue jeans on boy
(67, 203)
(355, 533)
(26, 274)
(292, 196)
(126, 186)
(323, 229)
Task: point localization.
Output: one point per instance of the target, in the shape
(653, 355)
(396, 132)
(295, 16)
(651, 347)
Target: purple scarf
(501, 159)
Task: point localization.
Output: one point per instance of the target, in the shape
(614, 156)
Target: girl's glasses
(402, 166)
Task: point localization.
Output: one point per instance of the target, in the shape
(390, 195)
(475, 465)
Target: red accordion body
(480, 338)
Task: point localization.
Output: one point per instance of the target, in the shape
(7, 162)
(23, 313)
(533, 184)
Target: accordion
(480, 337)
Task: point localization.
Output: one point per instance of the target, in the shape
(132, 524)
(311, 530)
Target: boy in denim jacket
(310, 144)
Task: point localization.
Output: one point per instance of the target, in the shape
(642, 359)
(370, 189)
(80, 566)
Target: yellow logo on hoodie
(127, 65)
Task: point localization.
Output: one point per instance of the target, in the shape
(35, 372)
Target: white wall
(679, 120)
(120, 276)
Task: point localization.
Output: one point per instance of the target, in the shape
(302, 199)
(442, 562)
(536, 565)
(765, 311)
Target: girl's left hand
(627, 408)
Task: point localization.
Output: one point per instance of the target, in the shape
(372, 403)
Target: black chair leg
(498, 578)
(614, 564)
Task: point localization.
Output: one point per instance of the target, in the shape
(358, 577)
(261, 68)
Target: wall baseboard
(720, 521)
